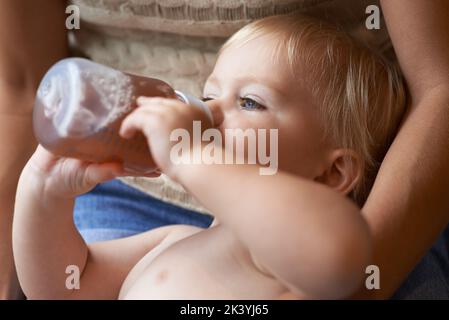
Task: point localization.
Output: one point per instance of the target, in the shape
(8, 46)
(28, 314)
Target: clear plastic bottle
(80, 106)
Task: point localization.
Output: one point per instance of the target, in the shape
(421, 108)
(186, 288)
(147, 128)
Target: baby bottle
(80, 106)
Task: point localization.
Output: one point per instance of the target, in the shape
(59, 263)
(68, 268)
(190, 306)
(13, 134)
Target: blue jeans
(114, 210)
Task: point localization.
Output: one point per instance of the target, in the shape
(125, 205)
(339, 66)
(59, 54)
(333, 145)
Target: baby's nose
(217, 112)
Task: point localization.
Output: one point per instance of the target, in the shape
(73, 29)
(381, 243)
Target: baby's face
(251, 90)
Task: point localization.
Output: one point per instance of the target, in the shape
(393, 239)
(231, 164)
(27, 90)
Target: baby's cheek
(296, 153)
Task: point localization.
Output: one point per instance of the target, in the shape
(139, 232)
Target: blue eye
(250, 104)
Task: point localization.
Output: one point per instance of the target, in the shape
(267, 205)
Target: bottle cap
(193, 101)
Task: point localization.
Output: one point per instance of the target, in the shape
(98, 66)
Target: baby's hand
(156, 118)
(66, 177)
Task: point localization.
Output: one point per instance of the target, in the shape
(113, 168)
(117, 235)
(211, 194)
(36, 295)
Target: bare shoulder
(153, 237)
(139, 245)
(180, 231)
(126, 252)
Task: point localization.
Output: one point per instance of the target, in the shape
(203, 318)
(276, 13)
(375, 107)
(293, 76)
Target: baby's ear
(343, 172)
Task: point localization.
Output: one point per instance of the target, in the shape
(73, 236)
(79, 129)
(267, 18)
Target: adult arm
(32, 37)
(408, 206)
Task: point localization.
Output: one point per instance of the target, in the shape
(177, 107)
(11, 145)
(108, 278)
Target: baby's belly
(207, 265)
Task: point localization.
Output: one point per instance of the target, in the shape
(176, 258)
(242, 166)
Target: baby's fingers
(100, 172)
(136, 121)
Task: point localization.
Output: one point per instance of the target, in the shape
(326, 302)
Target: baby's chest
(195, 268)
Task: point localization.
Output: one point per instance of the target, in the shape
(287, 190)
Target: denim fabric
(114, 210)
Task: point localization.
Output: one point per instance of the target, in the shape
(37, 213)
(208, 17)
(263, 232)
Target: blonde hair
(360, 94)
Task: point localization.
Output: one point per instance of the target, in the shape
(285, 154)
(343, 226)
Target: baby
(299, 233)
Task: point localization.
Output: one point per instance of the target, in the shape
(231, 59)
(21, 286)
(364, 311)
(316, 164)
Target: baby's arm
(312, 239)
(46, 242)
